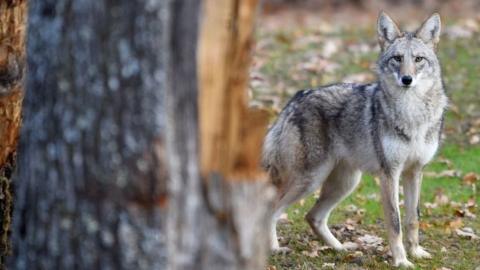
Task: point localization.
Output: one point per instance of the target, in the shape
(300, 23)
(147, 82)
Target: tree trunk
(91, 185)
(238, 197)
(108, 173)
(12, 63)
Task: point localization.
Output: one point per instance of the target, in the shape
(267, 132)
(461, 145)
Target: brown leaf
(470, 178)
(440, 198)
(311, 254)
(424, 225)
(459, 213)
(454, 224)
(470, 214)
(471, 204)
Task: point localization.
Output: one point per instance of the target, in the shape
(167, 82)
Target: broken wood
(227, 124)
(12, 69)
(231, 135)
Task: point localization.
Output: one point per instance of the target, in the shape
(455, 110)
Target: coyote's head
(407, 60)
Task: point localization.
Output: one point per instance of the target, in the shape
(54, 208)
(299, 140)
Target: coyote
(391, 128)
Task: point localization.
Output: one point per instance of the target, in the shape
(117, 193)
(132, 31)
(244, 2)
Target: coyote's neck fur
(412, 108)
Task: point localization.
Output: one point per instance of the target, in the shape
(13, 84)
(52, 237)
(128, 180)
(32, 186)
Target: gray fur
(384, 128)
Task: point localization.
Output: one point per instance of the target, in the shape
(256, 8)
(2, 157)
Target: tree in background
(108, 170)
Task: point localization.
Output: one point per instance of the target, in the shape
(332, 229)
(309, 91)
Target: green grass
(461, 65)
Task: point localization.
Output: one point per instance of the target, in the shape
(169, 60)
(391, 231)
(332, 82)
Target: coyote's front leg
(389, 187)
(412, 182)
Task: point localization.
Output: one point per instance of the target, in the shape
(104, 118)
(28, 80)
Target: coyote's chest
(413, 146)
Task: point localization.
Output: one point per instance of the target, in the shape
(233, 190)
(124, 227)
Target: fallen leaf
(454, 224)
(467, 232)
(369, 241)
(470, 214)
(455, 204)
(330, 48)
(445, 161)
(471, 204)
(470, 178)
(444, 173)
(328, 265)
(311, 254)
(323, 248)
(440, 198)
(373, 197)
(424, 225)
(429, 206)
(283, 218)
(350, 245)
(302, 202)
(459, 213)
(351, 208)
(355, 257)
(464, 210)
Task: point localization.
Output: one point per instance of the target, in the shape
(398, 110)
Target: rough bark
(235, 202)
(109, 174)
(12, 63)
(91, 184)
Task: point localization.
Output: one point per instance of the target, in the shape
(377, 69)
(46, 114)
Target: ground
(293, 58)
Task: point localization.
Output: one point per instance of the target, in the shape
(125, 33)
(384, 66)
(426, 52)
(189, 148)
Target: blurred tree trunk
(12, 63)
(108, 173)
(91, 184)
(231, 135)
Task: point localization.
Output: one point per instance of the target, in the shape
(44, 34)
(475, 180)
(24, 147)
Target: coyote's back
(331, 122)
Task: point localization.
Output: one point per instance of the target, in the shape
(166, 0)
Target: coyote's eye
(418, 59)
(397, 58)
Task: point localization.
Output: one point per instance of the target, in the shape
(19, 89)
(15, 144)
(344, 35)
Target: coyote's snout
(327, 137)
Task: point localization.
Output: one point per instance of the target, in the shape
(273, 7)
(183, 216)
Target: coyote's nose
(407, 80)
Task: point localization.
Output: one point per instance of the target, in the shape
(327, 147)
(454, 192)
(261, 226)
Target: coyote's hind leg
(296, 188)
(341, 182)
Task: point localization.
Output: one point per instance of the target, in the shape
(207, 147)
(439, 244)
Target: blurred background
(302, 44)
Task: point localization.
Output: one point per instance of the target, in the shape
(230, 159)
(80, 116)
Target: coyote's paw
(339, 248)
(281, 250)
(420, 253)
(403, 263)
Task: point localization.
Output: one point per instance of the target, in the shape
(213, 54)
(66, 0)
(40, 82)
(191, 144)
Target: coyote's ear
(387, 30)
(429, 32)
